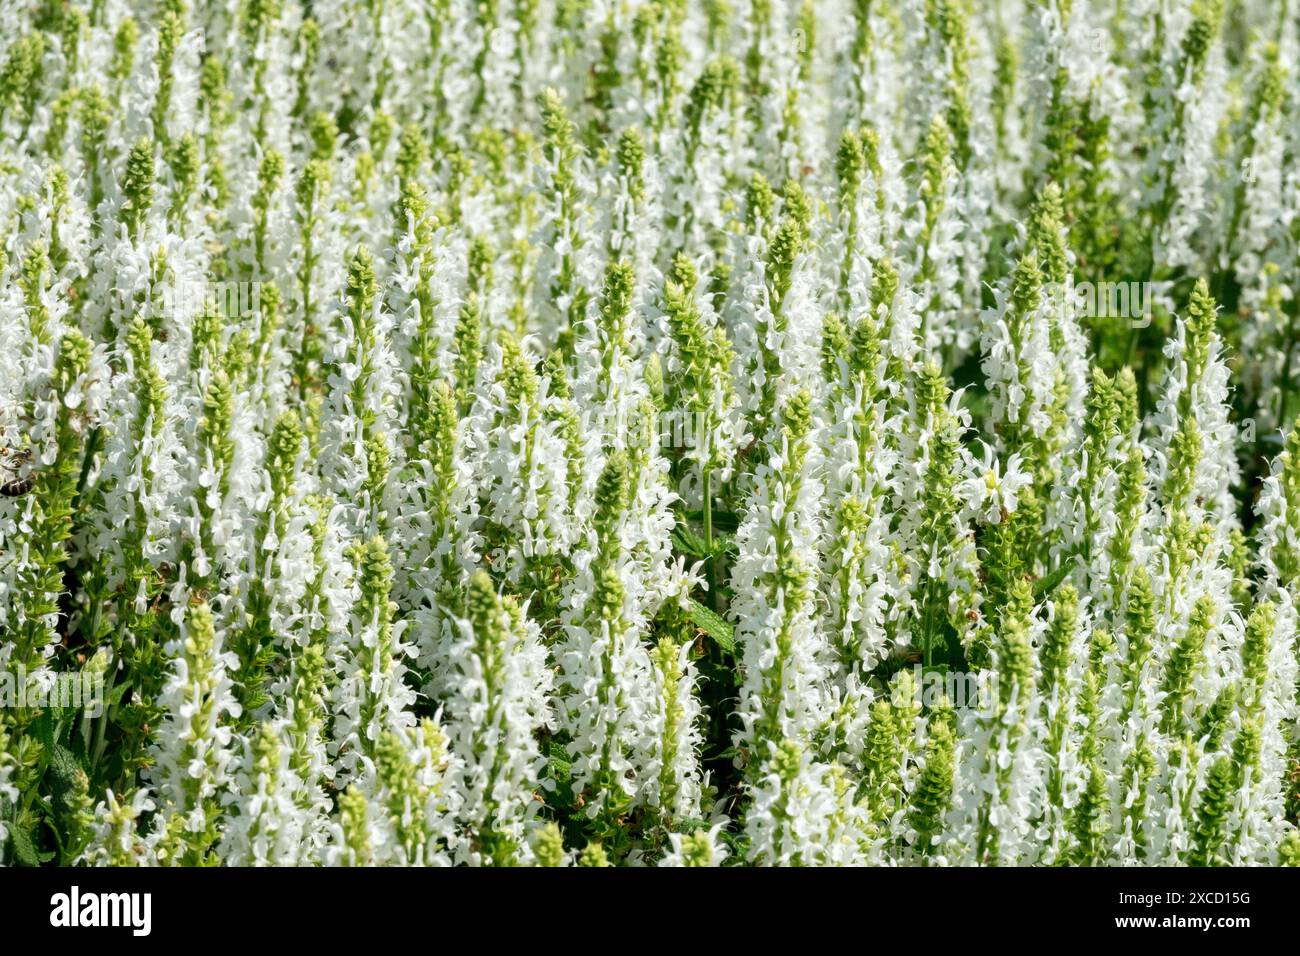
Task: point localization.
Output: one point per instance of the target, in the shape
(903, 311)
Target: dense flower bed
(649, 432)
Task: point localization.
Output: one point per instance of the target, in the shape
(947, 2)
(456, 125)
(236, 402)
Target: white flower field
(649, 432)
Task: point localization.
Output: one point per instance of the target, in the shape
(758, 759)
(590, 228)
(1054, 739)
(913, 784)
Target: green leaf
(42, 728)
(25, 850)
(687, 824)
(686, 541)
(707, 621)
(1046, 585)
(722, 520)
(63, 769)
(561, 768)
(115, 695)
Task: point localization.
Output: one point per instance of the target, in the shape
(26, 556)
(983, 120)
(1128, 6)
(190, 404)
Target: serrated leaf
(25, 849)
(64, 768)
(561, 768)
(711, 624)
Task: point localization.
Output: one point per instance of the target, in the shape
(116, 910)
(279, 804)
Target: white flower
(991, 490)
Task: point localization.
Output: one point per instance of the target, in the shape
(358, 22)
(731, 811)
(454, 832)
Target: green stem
(1284, 387)
(101, 726)
(708, 537)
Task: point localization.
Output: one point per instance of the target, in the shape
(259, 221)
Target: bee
(16, 484)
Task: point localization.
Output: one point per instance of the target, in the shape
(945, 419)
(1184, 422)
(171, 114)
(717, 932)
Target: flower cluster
(579, 432)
